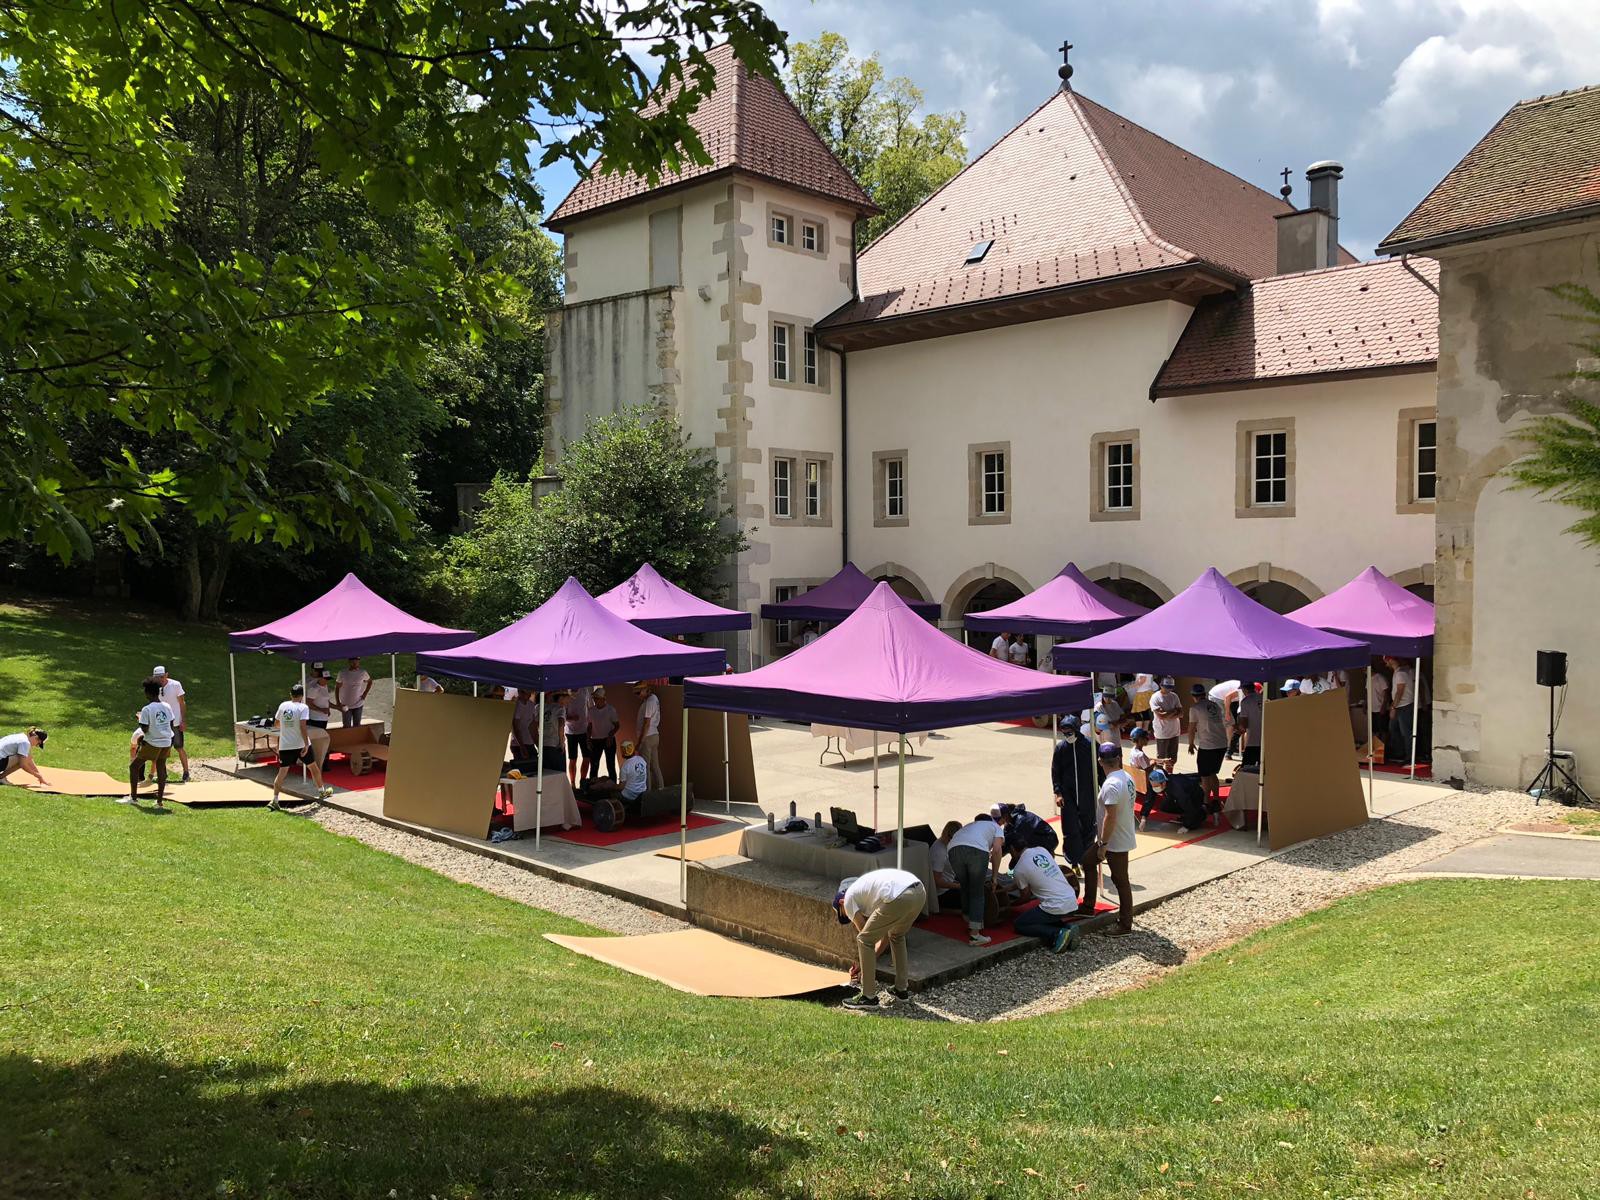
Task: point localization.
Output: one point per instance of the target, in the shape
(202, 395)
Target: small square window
(782, 489)
(780, 229)
(810, 237)
(811, 356)
(1425, 459)
(1270, 468)
(781, 335)
(994, 483)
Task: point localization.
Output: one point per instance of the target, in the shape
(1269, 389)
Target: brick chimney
(1308, 239)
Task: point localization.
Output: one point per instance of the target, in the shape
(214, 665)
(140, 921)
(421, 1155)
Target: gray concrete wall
(1507, 580)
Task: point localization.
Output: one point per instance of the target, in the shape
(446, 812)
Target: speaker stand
(1546, 780)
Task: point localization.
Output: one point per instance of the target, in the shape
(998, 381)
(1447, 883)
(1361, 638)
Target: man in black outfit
(1072, 778)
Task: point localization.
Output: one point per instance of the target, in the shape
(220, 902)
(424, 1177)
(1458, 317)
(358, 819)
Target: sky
(1396, 90)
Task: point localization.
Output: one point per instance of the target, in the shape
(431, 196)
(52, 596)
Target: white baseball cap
(159, 671)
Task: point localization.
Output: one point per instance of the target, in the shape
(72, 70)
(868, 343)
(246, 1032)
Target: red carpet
(630, 832)
(954, 926)
(336, 772)
(1424, 770)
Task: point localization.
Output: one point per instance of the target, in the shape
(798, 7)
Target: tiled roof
(1367, 317)
(1541, 161)
(1073, 194)
(748, 124)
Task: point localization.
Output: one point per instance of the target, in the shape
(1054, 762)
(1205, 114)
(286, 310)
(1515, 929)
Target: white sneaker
(978, 939)
(126, 800)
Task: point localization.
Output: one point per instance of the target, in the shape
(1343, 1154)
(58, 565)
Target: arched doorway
(1279, 597)
(902, 586)
(992, 595)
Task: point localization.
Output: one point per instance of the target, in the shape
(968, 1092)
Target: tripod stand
(1545, 781)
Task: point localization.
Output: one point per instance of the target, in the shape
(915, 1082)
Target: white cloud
(1440, 77)
(1177, 102)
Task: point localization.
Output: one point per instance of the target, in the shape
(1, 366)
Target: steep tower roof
(1073, 196)
(746, 124)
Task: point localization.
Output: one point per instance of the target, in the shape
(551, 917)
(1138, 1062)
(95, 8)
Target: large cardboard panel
(445, 755)
(705, 750)
(705, 963)
(1313, 784)
(63, 781)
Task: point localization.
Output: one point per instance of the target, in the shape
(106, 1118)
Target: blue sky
(1397, 90)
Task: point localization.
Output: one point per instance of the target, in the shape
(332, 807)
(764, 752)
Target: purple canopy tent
(885, 668)
(1213, 630)
(569, 641)
(836, 599)
(1070, 605)
(347, 621)
(1377, 610)
(651, 602)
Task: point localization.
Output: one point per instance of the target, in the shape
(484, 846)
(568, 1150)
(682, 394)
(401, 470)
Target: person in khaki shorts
(883, 905)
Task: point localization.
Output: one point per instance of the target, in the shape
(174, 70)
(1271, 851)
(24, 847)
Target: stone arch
(893, 570)
(1417, 580)
(970, 583)
(1120, 570)
(1261, 576)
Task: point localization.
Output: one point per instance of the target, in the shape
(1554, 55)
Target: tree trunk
(189, 569)
(216, 574)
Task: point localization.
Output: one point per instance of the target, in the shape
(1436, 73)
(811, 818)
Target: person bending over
(1041, 879)
(1024, 830)
(883, 905)
(16, 752)
(975, 855)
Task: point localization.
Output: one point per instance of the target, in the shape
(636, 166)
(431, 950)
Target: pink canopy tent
(886, 668)
(347, 621)
(1390, 619)
(835, 599)
(1070, 605)
(570, 641)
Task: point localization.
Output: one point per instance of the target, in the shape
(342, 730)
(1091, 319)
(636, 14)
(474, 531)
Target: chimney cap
(1327, 165)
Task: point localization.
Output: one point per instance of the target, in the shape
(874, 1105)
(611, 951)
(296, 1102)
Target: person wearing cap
(172, 695)
(1072, 776)
(1144, 686)
(635, 776)
(1166, 721)
(1117, 836)
(1208, 741)
(16, 752)
(351, 689)
(157, 722)
(883, 905)
(294, 744)
(1039, 878)
(975, 857)
(603, 722)
(1022, 830)
(1155, 795)
(319, 697)
(649, 731)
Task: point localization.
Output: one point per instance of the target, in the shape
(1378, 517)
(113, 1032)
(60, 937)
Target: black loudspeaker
(1552, 670)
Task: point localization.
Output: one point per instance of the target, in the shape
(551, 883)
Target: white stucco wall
(1047, 388)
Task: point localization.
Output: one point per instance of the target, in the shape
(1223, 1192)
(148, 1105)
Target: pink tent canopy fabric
(348, 620)
(1070, 605)
(652, 602)
(1377, 610)
(569, 641)
(1213, 630)
(884, 667)
(836, 599)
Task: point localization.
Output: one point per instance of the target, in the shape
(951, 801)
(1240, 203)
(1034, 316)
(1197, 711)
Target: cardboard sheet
(445, 756)
(202, 793)
(712, 847)
(1165, 837)
(1312, 781)
(705, 750)
(706, 964)
(63, 781)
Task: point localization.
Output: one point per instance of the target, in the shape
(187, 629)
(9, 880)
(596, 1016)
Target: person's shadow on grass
(140, 1125)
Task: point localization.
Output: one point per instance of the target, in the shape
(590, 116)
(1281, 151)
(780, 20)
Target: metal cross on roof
(1065, 70)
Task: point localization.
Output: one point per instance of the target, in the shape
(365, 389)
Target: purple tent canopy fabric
(647, 600)
(569, 641)
(347, 621)
(1068, 606)
(1377, 610)
(884, 667)
(837, 599)
(1213, 630)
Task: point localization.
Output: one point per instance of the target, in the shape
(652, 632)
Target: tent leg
(233, 689)
(538, 787)
(727, 769)
(1371, 770)
(394, 691)
(900, 820)
(1261, 769)
(874, 780)
(683, 815)
(474, 687)
(303, 771)
(1416, 690)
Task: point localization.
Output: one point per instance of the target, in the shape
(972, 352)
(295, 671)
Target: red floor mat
(336, 772)
(630, 832)
(1424, 770)
(954, 926)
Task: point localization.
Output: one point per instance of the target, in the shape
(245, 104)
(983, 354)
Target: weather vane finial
(1285, 189)
(1065, 70)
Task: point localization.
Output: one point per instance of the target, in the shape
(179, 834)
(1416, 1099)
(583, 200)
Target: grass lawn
(231, 1003)
(76, 669)
(1580, 820)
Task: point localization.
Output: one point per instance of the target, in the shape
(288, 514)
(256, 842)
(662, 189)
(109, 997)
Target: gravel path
(1307, 878)
(513, 883)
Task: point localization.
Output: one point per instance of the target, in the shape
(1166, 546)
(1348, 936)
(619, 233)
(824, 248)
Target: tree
(1563, 460)
(633, 490)
(875, 126)
(105, 340)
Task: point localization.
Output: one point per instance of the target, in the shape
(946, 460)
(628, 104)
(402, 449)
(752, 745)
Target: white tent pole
(683, 804)
(1416, 690)
(874, 781)
(474, 687)
(302, 693)
(538, 788)
(1371, 770)
(233, 689)
(394, 691)
(727, 769)
(900, 823)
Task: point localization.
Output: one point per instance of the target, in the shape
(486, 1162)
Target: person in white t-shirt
(16, 752)
(809, 633)
(577, 730)
(1001, 647)
(603, 722)
(1117, 836)
(294, 744)
(635, 773)
(175, 698)
(649, 732)
(1017, 652)
(883, 905)
(351, 690)
(1249, 722)
(158, 723)
(1041, 879)
(944, 876)
(428, 685)
(1403, 711)
(1166, 721)
(525, 724)
(975, 852)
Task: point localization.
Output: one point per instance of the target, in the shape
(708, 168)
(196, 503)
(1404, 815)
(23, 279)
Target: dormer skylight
(979, 249)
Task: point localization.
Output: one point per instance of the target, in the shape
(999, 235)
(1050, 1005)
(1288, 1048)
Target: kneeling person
(882, 904)
(1041, 878)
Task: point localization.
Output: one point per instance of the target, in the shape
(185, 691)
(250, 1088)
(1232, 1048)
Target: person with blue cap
(883, 905)
(1117, 836)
